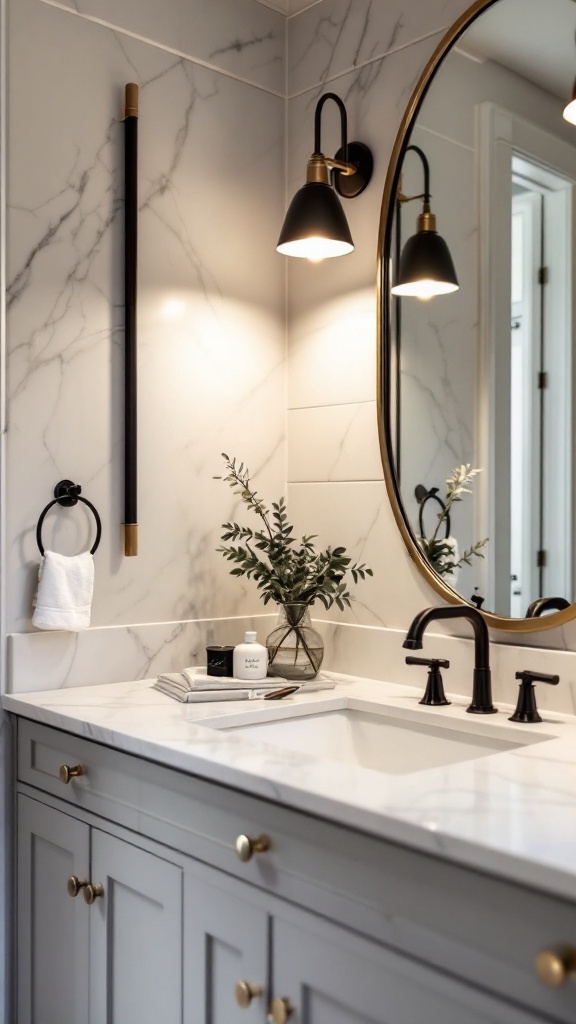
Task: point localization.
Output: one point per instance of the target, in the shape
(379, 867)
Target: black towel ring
(422, 496)
(67, 494)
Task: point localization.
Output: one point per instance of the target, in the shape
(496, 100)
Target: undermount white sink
(386, 738)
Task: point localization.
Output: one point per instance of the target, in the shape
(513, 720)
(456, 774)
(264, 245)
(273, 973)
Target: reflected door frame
(500, 136)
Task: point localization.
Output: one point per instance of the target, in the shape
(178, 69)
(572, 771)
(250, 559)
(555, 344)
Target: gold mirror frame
(391, 186)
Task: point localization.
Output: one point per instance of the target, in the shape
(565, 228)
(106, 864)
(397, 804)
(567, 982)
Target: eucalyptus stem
(282, 570)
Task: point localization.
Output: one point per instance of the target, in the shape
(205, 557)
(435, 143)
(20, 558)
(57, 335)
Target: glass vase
(295, 649)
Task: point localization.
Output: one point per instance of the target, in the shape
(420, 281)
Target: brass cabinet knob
(74, 885)
(67, 772)
(555, 967)
(280, 1011)
(91, 892)
(246, 847)
(245, 992)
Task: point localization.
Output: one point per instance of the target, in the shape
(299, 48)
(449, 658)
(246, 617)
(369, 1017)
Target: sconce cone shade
(426, 268)
(315, 226)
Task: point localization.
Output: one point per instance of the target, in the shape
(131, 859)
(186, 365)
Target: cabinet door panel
(135, 936)
(226, 941)
(331, 976)
(52, 927)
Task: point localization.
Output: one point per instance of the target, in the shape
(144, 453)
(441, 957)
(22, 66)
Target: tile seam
(161, 46)
(363, 64)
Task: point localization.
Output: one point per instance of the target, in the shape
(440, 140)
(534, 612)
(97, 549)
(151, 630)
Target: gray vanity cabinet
(116, 961)
(319, 972)
(135, 969)
(324, 925)
(52, 929)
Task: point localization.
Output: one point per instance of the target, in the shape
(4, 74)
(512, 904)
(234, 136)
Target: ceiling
(535, 38)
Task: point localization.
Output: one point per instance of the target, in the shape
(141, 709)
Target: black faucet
(546, 604)
(482, 686)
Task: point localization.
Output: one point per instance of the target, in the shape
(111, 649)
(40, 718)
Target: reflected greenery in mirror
(482, 376)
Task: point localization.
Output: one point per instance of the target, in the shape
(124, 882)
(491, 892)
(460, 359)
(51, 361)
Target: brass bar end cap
(131, 102)
(130, 539)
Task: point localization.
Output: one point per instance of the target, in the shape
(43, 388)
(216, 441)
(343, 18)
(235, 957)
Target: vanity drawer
(469, 924)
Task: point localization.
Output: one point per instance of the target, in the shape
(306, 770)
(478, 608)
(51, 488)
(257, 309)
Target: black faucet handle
(526, 710)
(537, 677)
(432, 662)
(434, 693)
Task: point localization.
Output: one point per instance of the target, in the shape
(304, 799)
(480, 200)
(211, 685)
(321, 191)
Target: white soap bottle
(250, 659)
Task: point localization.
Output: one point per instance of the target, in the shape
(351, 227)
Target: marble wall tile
(211, 311)
(336, 36)
(241, 37)
(358, 516)
(297, 6)
(449, 104)
(333, 442)
(276, 5)
(112, 654)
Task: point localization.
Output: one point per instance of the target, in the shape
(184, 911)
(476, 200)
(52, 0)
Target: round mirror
(477, 315)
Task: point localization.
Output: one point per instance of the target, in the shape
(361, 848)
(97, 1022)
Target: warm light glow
(569, 112)
(173, 309)
(425, 289)
(315, 249)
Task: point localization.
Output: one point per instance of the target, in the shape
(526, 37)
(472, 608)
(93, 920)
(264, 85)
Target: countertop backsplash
(51, 661)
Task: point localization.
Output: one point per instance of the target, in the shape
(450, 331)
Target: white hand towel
(65, 586)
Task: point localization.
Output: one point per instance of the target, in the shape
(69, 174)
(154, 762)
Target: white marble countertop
(511, 813)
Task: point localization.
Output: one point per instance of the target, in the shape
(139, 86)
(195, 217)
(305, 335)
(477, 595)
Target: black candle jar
(219, 661)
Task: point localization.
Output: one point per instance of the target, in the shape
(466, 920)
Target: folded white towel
(64, 596)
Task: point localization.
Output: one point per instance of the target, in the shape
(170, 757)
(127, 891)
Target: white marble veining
(53, 660)
(345, 443)
(512, 813)
(238, 37)
(211, 331)
(336, 36)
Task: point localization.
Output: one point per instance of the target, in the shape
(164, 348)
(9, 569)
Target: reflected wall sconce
(315, 226)
(569, 112)
(425, 267)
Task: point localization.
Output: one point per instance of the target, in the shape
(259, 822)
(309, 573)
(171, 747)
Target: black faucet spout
(482, 681)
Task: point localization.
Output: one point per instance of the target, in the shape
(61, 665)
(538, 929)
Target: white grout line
(446, 138)
(296, 14)
(162, 46)
(364, 64)
(331, 405)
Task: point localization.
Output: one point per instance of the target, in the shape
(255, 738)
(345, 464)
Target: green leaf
(282, 570)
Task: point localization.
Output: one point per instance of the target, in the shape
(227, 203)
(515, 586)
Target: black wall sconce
(425, 267)
(315, 226)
